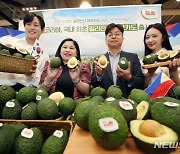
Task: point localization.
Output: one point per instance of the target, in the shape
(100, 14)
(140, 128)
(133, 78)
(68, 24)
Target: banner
(87, 27)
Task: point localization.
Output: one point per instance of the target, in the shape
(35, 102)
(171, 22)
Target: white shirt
(32, 80)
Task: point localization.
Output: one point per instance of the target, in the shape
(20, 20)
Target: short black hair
(165, 43)
(113, 25)
(29, 18)
(75, 44)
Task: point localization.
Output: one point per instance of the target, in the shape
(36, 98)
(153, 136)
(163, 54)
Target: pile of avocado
(9, 49)
(19, 139)
(137, 114)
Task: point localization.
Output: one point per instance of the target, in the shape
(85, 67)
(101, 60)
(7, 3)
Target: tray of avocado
(156, 64)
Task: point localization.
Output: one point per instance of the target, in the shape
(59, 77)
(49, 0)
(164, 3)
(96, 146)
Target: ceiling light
(178, 0)
(85, 5)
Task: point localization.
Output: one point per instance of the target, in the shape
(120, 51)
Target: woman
(74, 83)
(156, 41)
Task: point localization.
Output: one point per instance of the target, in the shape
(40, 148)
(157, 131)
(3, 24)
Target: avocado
(102, 61)
(150, 136)
(17, 55)
(57, 96)
(81, 113)
(22, 51)
(26, 95)
(149, 59)
(108, 126)
(47, 109)
(98, 98)
(114, 91)
(139, 95)
(5, 51)
(7, 137)
(55, 62)
(127, 108)
(123, 63)
(29, 57)
(12, 110)
(143, 110)
(167, 113)
(8, 46)
(66, 106)
(163, 56)
(98, 91)
(30, 112)
(56, 143)
(72, 62)
(174, 54)
(6, 93)
(174, 92)
(40, 94)
(25, 145)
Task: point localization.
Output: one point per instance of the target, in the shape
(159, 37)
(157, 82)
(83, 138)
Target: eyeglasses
(118, 34)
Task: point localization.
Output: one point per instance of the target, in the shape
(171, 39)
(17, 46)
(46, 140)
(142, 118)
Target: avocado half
(22, 51)
(164, 56)
(72, 62)
(160, 139)
(143, 109)
(8, 46)
(174, 54)
(102, 61)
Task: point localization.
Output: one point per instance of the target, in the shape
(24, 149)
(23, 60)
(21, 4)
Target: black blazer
(136, 72)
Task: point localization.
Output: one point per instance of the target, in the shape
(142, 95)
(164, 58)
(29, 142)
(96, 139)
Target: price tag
(108, 124)
(171, 104)
(110, 99)
(10, 104)
(38, 97)
(58, 133)
(27, 133)
(125, 105)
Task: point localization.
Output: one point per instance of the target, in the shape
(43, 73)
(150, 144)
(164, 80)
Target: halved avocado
(143, 109)
(72, 62)
(123, 63)
(8, 46)
(57, 96)
(149, 59)
(102, 61)
(22, 51)
(174, 54)
(152, 137)
(163, 56)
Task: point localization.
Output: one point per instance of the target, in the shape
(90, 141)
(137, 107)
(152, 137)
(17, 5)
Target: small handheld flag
(160, 86)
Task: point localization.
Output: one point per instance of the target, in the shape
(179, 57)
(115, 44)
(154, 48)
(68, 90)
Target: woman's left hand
(174, 64)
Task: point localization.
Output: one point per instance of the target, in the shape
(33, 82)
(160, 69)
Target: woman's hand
(174, 64)
(51, 73)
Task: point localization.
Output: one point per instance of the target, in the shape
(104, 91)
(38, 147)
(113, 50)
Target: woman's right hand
(51, 73)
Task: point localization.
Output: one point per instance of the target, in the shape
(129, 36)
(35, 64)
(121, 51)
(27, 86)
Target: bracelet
(47, 84)
(77, 81)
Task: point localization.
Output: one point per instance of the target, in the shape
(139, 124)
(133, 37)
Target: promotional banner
(87, 27)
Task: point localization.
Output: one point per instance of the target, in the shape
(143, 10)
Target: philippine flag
(160, 86)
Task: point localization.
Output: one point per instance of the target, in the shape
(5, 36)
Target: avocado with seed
(152, 137)
(72, 62)
(102, 61)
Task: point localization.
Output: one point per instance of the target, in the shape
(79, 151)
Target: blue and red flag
(160, 86)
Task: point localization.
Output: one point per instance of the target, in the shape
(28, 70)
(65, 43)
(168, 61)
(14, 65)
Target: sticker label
(27, 133)
(108, 124)
(171, 104)
(110, 99)
(38, 97)
(10, 104)
(58, 133)
(125, 105)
